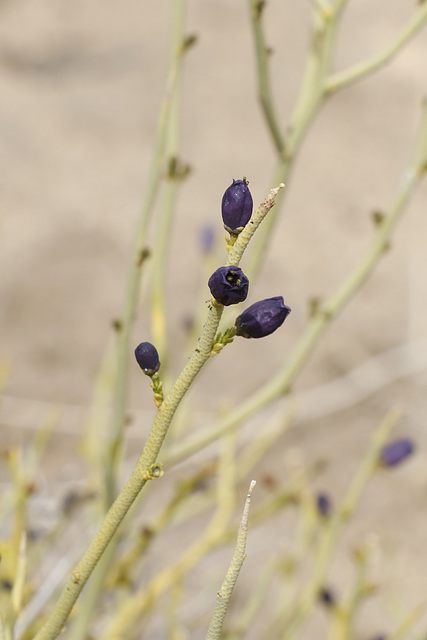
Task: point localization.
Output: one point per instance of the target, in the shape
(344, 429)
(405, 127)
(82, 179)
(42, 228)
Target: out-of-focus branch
(362, 69)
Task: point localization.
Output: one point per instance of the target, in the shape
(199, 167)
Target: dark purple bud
(229, 285)
(324, 505)
(236, 206)
(327, 597)
(262, 318)
(395, 452)
(147, 357)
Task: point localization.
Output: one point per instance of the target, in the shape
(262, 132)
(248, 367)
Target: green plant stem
(113, 453)
(343, 616)
(361, 70)
(161, 249)
(263, 75)
(330, 534)
(224, 594)
(281, 383)
(218, 532)
(317, 85)
(124, 325)
(146, 467)
(140, 603)
(310, 98)
(142, 472)
(256, 600)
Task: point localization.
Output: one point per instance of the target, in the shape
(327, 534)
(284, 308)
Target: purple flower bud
(229, 285)
(236, 206)
(207, 238)
(324, 505)
(262, 318)
(147, 357)
(395, 452)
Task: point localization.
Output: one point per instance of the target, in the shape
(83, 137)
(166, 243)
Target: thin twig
(125, 322)
(363, 69)
(224, 594)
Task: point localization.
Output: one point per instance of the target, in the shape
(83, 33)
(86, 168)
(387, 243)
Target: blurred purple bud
(262, 318)
(147, 357)
(229, 285)
(236, 206)
(206, 238)
(327, 597)
(396, 452)
(324, 505)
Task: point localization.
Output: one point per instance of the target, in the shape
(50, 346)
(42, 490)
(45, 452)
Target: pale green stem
(124, 326)
(362, 69)
(409, 621)
(2, 629)
(311, 96)
(264, 85)
(280, 384)
(330, 533)
(17, 594)
(160, 260)
(146, 467)
(131, 299)
(342, 624)
(224, 594)
(142, 601)
(255, 602)
(159, 269)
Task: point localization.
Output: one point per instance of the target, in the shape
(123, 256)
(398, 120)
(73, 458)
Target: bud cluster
(228, 285)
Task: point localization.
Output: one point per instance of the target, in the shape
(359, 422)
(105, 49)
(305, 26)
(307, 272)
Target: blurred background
(81, 84)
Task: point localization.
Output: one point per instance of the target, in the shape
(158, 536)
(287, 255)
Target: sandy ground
(80, 86)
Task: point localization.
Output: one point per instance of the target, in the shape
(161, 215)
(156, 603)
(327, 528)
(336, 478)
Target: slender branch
(310, 98)
(124, 325)
(125, 322)
(362, 69)
(224, 594)
(2, 629)
(165, 224)
(331, 532)
(141, 602)
(263, 76)
(280, 384)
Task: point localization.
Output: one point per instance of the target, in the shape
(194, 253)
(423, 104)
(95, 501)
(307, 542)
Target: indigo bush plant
(129, 595)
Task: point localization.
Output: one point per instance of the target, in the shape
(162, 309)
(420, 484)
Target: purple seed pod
(324, 506)
(229, 285)
(147, 357)
(262, 318)
(236, 206)
(396, 452)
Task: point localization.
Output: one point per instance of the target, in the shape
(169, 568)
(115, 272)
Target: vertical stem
(311, 97)
(167, 209)
(224, 594)
(131, 300)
